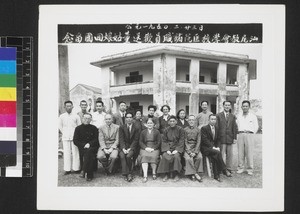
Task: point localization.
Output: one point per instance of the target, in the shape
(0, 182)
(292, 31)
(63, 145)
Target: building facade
(180, 77)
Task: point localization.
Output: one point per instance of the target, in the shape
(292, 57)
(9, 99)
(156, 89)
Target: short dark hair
(68, 101)
(129, 112)
(246, 101)
(87, 114)
(161, 109)
(122, 102)
(226, 101)
(152, 106)
(177, 115)
(99, 101)
(172, 117)
(204, 101)
(212, 115)
(149, 118)
(137, 111)
(83, 101)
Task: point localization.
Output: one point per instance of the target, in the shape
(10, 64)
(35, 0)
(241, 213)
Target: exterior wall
(146, 71)
(182, 100)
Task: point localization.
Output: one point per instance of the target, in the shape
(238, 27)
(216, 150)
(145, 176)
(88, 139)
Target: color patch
(7, 80)
(7, 94)
(8, 147)
(7, 53)
(8, 107)
(8, 67)
(8, 120)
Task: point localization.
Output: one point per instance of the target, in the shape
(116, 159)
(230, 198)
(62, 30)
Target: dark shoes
(218, 178)
(154, 177)
(82, 174)
(193, 178)
(165, 178)
(145, 179)
(176, 178)
(89, 179)
(129, 178)
(227, 173)
(198, 178)
(67, 172)
(77, 172)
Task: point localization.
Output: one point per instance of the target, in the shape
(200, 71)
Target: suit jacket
(184, 125)
(163, 124)
(86, 134)
(117, 119)
(108, 140)
(129, 140)
(227, 129)
(207, 141)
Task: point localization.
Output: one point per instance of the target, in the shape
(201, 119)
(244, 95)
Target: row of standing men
(158, 141)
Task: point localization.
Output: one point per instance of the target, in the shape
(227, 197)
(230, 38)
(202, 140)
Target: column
(169, 83)
(158, 81)
(243, 85)
(221, 79)
(63, 64)
(105, 90)
(194, 78)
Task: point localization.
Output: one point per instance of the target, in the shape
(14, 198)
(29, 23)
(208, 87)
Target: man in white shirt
(202, 118)
(247, 127)
(68, 121)
(83, 105)
(98, 115)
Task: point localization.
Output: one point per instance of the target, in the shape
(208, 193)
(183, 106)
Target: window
(187, 77)
(134, 77)
(187, 110)
(202, 79)
(135, 106)
(231, 74)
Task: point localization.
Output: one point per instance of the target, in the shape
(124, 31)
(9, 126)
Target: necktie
(108, 131)
(123, 118)
(213, 131)
(129, 130)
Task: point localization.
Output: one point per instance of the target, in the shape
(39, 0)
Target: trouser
(126, 162)
(88, 160)
(245, 143)
(71, 156)
(218, 164)
(169, 163)
(193, 165)
(108, 161)
(227, 155)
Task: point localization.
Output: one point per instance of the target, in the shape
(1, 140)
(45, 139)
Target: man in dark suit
(227, 132)
(128, 139)
(86, 139)
(210, 147)
(119, 117)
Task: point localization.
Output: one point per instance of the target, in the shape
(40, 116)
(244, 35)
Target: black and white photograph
(161, 107)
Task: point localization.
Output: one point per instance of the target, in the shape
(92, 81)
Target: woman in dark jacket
(181, 119)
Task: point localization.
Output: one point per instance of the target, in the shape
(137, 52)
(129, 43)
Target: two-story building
(179, 76)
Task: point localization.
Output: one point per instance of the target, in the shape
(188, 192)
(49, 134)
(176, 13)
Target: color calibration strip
(8, 108)
(23, 100)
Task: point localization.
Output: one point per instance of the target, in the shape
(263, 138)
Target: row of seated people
(163, 151)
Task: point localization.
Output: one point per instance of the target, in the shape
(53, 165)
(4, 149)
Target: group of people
(169, 144)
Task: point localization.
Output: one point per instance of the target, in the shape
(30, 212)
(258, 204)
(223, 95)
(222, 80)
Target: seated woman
(150, 141)
(181, 119)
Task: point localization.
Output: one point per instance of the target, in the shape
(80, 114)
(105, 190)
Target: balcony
(132, 89)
